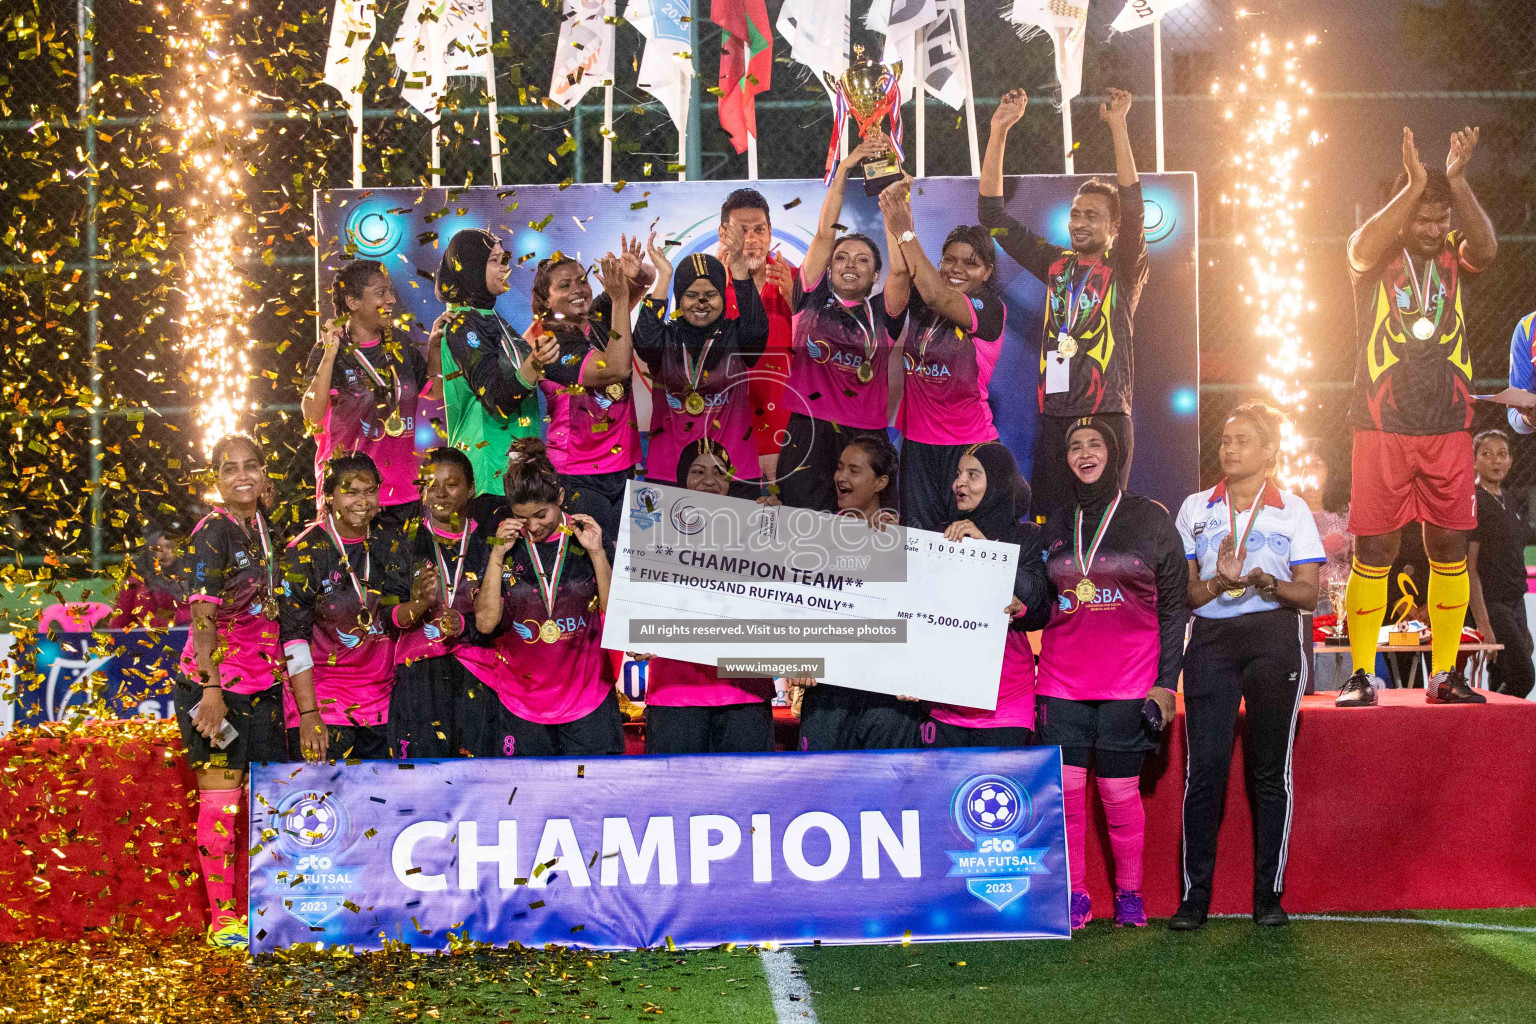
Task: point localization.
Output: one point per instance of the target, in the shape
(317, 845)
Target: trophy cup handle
(832, 83)
(896, 73)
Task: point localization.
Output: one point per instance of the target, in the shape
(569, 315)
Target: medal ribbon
(1421, 291)
(868, 336)
(1242, 545)
(1070, 321)
(266, 546)
(378, 379)
(341, 549)
(449, 593)
(507, 347)
(1098, 536)
(550, 585)
(696, 371)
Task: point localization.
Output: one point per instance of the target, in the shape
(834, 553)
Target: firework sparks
(1267, 192)
(210, 120)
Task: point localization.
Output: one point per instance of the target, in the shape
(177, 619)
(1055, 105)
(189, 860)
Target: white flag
(1137, 13)
(1066, 22)
(437, 40)
(900, 21)
(666, 69)
(584, 54)
(352, 26)
(818, 32)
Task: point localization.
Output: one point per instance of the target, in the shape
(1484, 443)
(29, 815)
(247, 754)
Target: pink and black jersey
(591, 430)
(228, 568)
(1128, 635)
(427, 546)
(722, 382)
(362, 401)
(1106, 291)
(948, 368)
(542, 681)
(833, 339)
(682, 684)
(352, 652)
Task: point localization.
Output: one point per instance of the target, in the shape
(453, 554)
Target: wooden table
(1477, 662)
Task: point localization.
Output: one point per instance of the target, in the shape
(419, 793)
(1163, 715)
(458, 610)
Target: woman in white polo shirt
(1254, 555)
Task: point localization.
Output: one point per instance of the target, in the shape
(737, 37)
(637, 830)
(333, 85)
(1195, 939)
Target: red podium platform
(1398, 807)
(1402, 806)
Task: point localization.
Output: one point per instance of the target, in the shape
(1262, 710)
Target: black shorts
(837, 718)
(601, 496)
(258, 722)
(808, 461)
(593, 735)
(729, 729)
(438, 709)
(350, 743)
(943, 734)
(1112, 727)
(927, 481)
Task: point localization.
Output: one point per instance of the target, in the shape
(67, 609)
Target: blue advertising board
(408, 228)
(625, 853)
(118, 673)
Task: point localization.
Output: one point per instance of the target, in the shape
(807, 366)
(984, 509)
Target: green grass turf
(1313, 972)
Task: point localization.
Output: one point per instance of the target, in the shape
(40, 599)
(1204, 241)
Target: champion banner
(407, 228)
(625, 853)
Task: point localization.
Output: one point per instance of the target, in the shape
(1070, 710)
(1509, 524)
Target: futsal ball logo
(990, 805)
(311, 821)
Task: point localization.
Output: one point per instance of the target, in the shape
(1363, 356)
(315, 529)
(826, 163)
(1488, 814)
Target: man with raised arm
(1086, 366)
(1412, 408)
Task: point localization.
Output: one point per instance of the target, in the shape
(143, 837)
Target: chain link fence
(98, 412)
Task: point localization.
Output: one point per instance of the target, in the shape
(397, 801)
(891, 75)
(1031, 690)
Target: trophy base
(880, 173)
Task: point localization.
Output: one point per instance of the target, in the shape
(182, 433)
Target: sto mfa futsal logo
(374, 230)
(997, 816)
(313, 828)
(643, 507)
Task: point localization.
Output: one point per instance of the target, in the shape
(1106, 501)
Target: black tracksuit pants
(1512, 673)
(1262, 659)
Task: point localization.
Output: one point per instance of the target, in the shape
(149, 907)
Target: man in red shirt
(774, 277)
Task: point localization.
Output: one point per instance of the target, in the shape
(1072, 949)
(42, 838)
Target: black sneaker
(1190, 917)
(1267, 911)
(1451, 688)
(1359, 691)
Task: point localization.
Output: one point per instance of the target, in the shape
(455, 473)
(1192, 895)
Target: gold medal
(614, 391)
(450, 624)
(1066, 346)
(1235, 592)
(866, 372)
(269, 609)
(1423, 328)
(1086, 591)
(694, 403)
(394, 426)
(549, 632)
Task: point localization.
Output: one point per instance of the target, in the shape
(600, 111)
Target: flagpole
(1066, 135)
(920, 92)
(1157, 87)
(355, 113)
(682, 150)
(970, 93)
(608, 134)
(437, 162)
(490, 78)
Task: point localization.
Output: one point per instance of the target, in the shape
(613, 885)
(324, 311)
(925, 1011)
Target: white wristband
(299, 658)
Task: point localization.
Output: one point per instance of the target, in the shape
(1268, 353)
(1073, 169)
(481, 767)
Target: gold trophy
(869, 90)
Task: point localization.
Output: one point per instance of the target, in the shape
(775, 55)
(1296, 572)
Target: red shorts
(1398, 478)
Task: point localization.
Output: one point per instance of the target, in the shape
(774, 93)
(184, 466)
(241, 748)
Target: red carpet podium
(1401, 806)
(1398, 807)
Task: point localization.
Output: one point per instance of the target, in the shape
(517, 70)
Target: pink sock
(216, 849)
(1074, 797)
(1127, 828)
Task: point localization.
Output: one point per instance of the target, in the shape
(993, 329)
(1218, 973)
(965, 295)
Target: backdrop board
(630, 852)
(407, 229)
(111, 672)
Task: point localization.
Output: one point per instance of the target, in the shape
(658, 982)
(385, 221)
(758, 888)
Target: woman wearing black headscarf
(1110, 655)
(986, 502)
(700, 360)
(490, 373)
